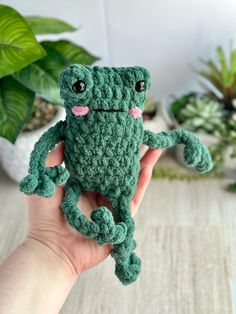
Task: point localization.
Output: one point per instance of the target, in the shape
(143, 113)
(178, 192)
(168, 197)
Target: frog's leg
(195, 153)
(128, 264)
(101, 228)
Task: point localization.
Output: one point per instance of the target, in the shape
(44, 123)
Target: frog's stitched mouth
(84, 110)
(108, 110)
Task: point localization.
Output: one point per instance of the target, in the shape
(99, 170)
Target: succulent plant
(202, 114)
(213, 112)
(226, 135)
(221, 75)
(181, 102)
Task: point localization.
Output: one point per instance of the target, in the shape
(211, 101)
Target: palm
(48, 225)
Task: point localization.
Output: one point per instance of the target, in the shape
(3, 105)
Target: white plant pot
(157, 124)
(15, 157)
(229, 166)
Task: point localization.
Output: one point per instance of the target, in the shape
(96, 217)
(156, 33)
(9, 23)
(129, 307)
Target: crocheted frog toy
(102, 135)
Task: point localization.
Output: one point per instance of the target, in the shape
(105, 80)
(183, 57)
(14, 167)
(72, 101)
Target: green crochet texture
(102, 153)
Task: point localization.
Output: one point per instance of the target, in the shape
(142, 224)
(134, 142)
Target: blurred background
(167, 37)
(189, 49)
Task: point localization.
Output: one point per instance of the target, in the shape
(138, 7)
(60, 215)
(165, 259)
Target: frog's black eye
(79, 86)
(140, 86)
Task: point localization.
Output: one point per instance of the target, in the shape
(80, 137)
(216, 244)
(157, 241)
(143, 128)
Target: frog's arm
(195, 153)
(42, 180)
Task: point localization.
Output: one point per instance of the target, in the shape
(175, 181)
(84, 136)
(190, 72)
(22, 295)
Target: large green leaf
(54, 62)
(73, 53)
(42, 76)
(16, 103)
(18, 46)
(62, 53)
(48, 25)
(39, 81)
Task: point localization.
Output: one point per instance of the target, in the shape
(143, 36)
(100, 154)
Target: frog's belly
(103, 156)
(102, 173)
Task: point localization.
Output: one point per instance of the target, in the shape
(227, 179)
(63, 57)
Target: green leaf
(39, 81)
(181, 102)
(212, 74)
(234, 86)
(54, 62)
(16, 103)
(232, 68)
(224, 69)
(18, 46)
(66, 53)
(48, 25)
(211, 93)
(215, 81)
(212, 68)
(73, 52)
(42, 76)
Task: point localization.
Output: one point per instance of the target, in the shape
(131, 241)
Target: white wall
(167, 37)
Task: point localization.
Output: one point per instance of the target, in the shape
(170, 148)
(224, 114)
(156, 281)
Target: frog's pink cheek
(80, 111)
(136, 112)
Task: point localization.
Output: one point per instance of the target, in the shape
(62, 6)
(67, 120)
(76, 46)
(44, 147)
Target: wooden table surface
(186, 234)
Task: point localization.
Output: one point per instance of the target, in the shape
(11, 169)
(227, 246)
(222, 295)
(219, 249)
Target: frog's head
(85, 89)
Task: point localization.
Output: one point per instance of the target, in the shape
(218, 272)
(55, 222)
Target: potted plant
(152, 117)
(212, 113)
(29, 94)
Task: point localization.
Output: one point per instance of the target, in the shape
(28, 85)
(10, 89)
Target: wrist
(54, 257)
(39, 278)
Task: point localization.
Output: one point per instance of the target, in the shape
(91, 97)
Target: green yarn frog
(102, 135)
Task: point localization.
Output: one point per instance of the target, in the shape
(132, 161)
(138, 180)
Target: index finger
(147, 163)
(56, 156)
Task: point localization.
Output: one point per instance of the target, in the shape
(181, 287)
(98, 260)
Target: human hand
(47, 225)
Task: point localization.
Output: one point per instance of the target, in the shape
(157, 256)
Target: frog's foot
(109, 232)
(197, 155)
(41, 185)
(57, 174)
(44, 184)
(128, 272)
(28, 184)
(205, 164)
